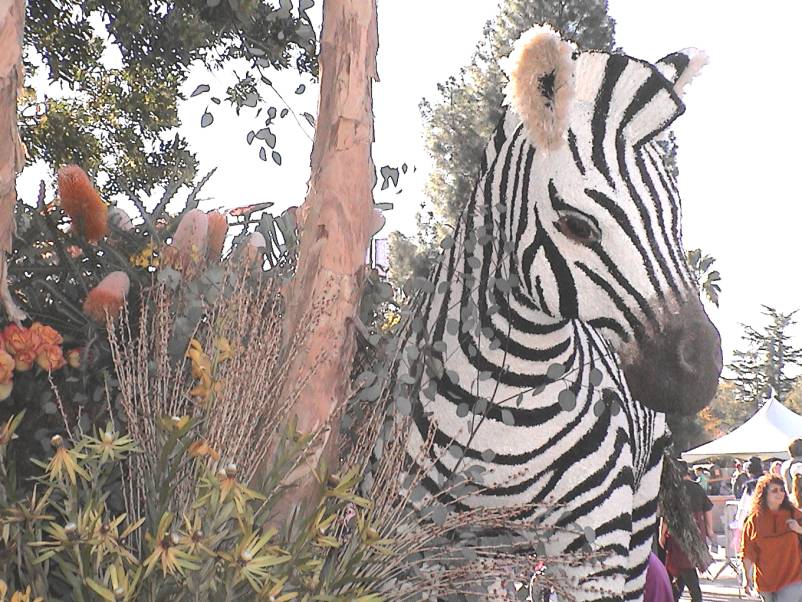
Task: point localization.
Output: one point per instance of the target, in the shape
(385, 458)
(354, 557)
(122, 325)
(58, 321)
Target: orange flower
(217, 227)
(7, 364)
(23, 345)
(189, 241)
(201, 448)
(46, 334)
(50, 357)
(82, 203)
(73, 357)
(108, 297)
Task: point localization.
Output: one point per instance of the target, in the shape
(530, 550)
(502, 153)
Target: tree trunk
(337, 221)
(12, 153)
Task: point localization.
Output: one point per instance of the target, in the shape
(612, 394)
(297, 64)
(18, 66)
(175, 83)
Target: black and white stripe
(514, 296)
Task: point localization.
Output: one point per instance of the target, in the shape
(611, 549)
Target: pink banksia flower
(255, 247)
(217, 227)
(82, 203)
(120, 219)
(189, 241)
(108, 297)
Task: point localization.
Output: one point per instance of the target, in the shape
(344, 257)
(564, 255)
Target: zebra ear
(541, 87)
(681, 67)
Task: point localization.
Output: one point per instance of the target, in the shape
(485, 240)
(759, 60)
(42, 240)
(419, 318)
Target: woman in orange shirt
(770, 544)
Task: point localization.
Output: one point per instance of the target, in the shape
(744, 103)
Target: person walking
(770, 544)
(795, 453)
(702, 478)
(679, 566)
(739, 479)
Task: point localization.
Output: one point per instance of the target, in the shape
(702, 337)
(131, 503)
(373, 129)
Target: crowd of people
(766, 528)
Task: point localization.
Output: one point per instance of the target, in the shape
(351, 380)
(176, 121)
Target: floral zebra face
(594, 215)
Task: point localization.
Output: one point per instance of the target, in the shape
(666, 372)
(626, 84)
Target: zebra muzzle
(677, 369)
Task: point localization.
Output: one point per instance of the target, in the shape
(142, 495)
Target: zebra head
(595, 221)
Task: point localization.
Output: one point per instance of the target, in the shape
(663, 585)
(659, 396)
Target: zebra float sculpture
(563, 315)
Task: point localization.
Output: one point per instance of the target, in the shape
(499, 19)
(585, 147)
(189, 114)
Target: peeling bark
(12, 152)
(337, 221)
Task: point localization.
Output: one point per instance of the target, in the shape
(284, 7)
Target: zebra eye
(578, 229)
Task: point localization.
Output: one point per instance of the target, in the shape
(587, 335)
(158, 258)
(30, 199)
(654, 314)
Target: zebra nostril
(688, 352)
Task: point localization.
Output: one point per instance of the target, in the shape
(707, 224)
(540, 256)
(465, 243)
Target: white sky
(738, 156)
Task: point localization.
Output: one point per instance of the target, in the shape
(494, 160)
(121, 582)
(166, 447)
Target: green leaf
(201, 89)
(207, 119)
(104, 593)
(567, 400)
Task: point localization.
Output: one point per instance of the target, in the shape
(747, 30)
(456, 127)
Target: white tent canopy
(765, 435)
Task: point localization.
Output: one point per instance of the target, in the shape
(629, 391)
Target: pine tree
(469, 105)
(461, 121)
(760, 367)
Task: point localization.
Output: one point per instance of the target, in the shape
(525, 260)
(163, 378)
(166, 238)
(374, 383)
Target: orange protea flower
(217, 228)
(108, 297)
(82, 203)
(7, 365)
(189, 241)
(50, 357)
(23, 345)
(47, 335)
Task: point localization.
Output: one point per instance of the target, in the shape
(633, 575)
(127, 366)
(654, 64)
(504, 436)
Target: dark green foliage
(760, 367)
(686, 431)
(119, 121)
(69, 542)
(706, 278)
(460, 121)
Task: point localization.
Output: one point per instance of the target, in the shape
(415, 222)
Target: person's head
(775, 468)
(682, 467)
(795, 447)
(755, 467)
(699, 470)
(738, 466)
(796, 479)
(770, 495)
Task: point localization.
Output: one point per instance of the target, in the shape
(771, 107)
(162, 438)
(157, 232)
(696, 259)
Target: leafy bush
(66, 542)
(53, 269)
(171, 447)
